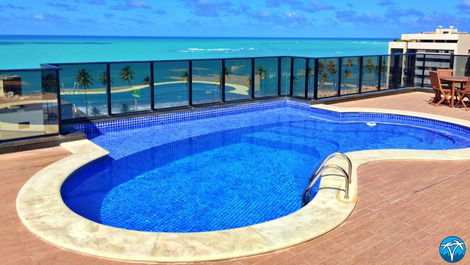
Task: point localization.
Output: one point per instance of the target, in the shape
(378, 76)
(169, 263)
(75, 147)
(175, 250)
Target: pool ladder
(320, 172)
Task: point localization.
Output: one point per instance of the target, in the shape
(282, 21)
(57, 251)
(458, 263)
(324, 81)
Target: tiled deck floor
(405, 209)
(416, 101)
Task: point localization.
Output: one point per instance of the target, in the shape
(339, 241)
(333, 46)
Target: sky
(222, 18)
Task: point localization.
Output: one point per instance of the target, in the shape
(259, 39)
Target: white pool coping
(42, 210)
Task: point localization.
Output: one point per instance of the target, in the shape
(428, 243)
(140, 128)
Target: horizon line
(188, 37)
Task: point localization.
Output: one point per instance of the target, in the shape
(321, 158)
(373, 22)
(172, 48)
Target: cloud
(131, 4)
(96, 2)
(401, 15)
(464, 5)
(141, 21)
(208, 8)
(354, 17)
(11, 6)
(62, 6)
(386, 3)
(38, 17)
(299, 5)
(279, 19)
(46, 18)
(136, 4)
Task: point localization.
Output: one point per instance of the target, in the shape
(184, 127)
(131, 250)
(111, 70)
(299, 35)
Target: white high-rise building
(444, 48)
(443, 40)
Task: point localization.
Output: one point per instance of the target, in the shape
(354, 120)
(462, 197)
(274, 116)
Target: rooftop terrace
(403, 205)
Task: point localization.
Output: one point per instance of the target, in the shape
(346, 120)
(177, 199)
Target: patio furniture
(445, 72)
(463, 94)
(440, 94)
(456, 84)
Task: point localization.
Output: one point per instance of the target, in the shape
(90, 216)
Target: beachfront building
(443, 40)
(444, 48)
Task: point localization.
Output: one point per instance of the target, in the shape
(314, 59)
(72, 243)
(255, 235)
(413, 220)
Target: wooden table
(454, 80)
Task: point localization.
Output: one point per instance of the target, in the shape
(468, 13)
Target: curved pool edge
(43, 212)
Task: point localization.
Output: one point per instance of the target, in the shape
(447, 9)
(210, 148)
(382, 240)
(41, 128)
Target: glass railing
(99, 90)
(28, 103)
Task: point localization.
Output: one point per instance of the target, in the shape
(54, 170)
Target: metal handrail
(333, 155)
(306, 195)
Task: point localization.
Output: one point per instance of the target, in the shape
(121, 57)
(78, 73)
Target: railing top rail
(225, 58)
(55, 65)
(28, 70)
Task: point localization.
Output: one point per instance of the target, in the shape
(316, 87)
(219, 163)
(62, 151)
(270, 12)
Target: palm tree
(104, 78)
(322, 73)
(184, 76)
(227, 73)
(147, 80)
(370, 66)
(331, 67)
(261, 74)
(84, 80)
(49, 83)
(127, 74)
(347, 72)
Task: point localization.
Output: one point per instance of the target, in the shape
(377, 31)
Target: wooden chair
(445, 72)
(440, 94)
(464, 93)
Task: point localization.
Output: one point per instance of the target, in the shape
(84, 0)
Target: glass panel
(383, 73)
(396, 72)
(434, 62)
(311, 78)
(28, 104)
(285, 75)
(207, 81)
(300, 66)
(130, 87)
(237, 79)
(83, 90)
(409, 70)
(350, 75)
(328, 77)
(462, 65)
(370, 77)
(266, 82)
(418, 70)
(171, 84)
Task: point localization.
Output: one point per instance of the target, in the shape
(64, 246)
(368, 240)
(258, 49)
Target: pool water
(227, 171)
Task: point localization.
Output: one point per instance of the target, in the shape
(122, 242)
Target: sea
(18, 52)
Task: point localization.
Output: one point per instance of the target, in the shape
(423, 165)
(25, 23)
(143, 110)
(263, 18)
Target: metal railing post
(222, 82)
(59, 102)
(190, 83)
(361, 63)
(379, 72)
(279, 76)
(452, 62)
(306, 78)
(424, 70)
(108, 89)
(315, 84)
(291, 79)
(252, 79)
(340, 69)
(152, 87)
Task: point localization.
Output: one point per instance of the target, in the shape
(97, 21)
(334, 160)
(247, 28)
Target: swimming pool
(228, 169)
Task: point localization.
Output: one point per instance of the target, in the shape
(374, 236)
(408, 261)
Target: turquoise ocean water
(30, 51)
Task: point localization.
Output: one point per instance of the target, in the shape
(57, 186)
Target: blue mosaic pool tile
(98, 128)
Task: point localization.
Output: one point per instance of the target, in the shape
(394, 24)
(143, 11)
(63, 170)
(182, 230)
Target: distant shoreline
(196, 37)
